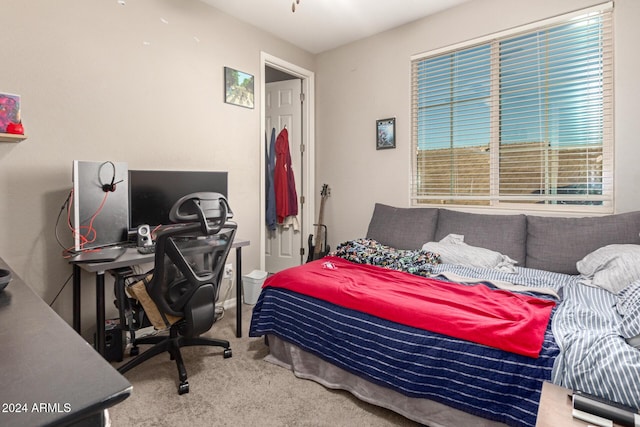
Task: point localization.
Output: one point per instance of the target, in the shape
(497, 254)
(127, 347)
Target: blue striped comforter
(594, 358)
(484, 381)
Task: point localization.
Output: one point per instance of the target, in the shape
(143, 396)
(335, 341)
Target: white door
(283, 107)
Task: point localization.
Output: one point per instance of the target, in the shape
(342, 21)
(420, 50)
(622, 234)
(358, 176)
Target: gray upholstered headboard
(403, 228)
(546, 243)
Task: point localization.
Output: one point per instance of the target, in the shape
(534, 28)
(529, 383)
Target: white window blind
(518, 118)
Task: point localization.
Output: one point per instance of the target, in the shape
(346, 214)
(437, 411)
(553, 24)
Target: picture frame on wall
(386, 133)
(9, 111)
(238, 88)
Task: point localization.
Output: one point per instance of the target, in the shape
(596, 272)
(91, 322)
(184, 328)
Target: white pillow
(453, 250)
(611, 267)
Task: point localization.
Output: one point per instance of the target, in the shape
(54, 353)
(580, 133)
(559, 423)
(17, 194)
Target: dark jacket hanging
(271, 192)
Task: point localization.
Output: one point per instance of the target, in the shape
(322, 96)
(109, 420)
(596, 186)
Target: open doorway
(287, 103)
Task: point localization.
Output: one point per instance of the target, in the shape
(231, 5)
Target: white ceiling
(320, 25)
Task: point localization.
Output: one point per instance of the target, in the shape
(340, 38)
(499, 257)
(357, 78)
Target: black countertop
(49, 375)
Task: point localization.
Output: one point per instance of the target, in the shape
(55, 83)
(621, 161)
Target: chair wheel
(134, 351)
(183, 388)
(227, 353)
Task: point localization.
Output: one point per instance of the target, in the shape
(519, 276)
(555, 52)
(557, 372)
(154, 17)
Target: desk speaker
(114, 341)
(144, 236)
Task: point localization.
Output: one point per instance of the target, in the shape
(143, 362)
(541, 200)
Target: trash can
(252, 285)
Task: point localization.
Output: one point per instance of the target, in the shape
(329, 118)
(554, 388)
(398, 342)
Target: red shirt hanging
(284, 180)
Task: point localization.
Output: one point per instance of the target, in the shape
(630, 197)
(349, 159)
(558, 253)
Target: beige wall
(100, 81)
(370, 80)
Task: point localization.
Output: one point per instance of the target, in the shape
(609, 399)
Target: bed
(453, 318)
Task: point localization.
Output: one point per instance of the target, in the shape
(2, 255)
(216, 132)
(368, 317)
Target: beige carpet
(241, 391)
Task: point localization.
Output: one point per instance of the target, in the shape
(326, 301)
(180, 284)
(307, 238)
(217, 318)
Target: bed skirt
(308, 366)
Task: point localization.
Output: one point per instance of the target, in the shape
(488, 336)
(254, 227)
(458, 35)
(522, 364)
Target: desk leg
(76, 297)
(100, 310)
(239, 292)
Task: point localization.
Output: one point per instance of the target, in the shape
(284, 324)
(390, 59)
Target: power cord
(90, 234)
(65, 249)
(61, 289)
(219, 307)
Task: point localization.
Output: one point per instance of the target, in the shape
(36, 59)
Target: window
(524, 118)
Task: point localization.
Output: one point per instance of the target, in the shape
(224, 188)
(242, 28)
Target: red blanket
(496, 318)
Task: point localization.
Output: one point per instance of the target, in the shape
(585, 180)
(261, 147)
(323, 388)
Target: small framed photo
(386, 133)
(9, 110)
(238, 88)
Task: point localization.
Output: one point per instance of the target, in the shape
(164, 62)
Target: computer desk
(49, 375)
(132, 258)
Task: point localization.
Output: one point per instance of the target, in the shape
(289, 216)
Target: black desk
(130, 258)
(49, 375)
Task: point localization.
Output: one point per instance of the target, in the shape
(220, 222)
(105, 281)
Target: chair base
(172, 345)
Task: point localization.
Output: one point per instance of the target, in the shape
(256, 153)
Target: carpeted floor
(241, 391)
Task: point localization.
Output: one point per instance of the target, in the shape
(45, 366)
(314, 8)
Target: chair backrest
(190, 256)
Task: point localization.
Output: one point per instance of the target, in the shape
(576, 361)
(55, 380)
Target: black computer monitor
(152, 193)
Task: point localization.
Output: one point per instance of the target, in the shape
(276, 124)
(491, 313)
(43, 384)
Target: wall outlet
(228, 271)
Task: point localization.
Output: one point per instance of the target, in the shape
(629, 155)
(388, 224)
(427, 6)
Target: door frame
(305, 189)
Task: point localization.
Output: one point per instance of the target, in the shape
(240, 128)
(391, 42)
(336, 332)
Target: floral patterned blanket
(372, 252)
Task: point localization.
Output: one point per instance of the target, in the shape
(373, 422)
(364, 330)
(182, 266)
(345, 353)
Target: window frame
(494, 200)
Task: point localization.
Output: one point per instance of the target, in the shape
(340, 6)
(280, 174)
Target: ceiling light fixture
(293, 5)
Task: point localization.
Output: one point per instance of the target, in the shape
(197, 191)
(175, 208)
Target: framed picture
(238, 88)
(9, 110)
(386, 133)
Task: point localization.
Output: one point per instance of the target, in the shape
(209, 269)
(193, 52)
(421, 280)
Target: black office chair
(189, 265)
